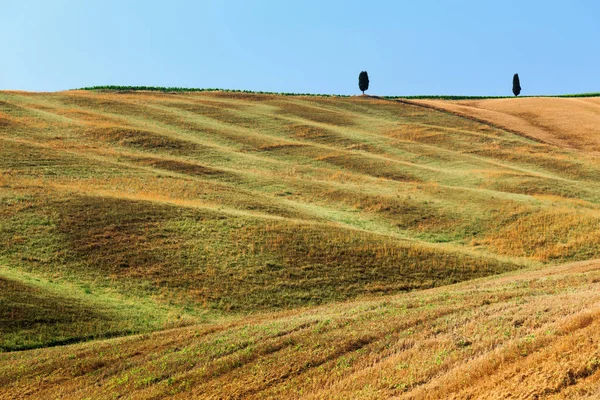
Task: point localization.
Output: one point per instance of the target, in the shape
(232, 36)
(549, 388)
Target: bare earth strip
(565, 122)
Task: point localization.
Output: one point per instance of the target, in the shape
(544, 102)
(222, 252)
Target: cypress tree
(363, 81)
(516, 85)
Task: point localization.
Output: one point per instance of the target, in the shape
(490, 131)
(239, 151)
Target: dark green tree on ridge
(516, 85)
(363, 81)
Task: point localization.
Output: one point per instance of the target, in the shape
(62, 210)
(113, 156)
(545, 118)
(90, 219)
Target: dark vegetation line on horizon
(416, 97)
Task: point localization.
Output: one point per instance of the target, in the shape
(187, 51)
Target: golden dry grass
(526, 335)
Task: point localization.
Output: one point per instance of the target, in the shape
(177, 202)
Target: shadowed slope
(35, 312)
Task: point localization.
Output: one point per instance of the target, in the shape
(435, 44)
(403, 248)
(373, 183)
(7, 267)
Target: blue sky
(408, 47)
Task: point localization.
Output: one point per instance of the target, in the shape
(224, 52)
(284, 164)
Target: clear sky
(407, 46)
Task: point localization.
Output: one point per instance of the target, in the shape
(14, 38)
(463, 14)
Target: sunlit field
(238, 245)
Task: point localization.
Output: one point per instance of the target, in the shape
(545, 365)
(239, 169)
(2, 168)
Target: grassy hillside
(143, 211)
(525, 335)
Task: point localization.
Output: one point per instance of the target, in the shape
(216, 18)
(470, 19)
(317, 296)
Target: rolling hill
(288, 244)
